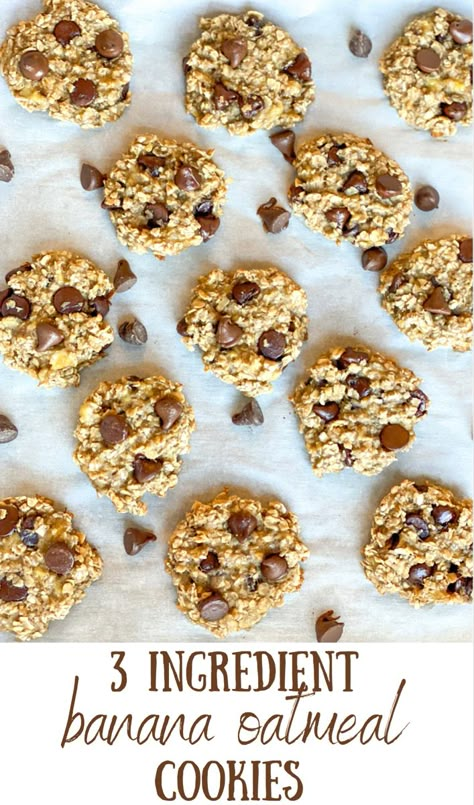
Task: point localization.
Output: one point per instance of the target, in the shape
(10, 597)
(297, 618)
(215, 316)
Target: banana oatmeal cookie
(356, 409)
(249, 324)
(347, 189)
(131, 435)
(52, 317)
(244, 73)
(232, 560)
(164, 196)
(71, 61)
(427, 73)
(46, 565)
(428, 292)
(421, 545)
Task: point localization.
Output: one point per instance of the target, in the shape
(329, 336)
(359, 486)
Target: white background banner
(383, 724)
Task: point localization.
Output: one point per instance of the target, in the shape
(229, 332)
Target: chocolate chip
(300, 67)
(157, 215)
(328, 627)
(436, 303)
(338, 216)
(17, 306)
(59, 558)
(244, 292)
(235, 50)
(65, 31)
(10, 593)
(8, 431)
(295, 194)
(393, 541)
(374, 259)
(9, 516)
(169, 410)
(397, 281)
(187, 178)
(203, 208)
(134, 539)
(7, 170)
(387, 185)
(108, 206)
(68, 300)
(285, 142)
(461, 31)
(427, 60)
(351, 356)
(228, 333)
(346, 455)
(421, 526)
(427, 198)
(33, 65)
(462, 585)
(251, 584)
(360, 45)
(19, 270)
(255, 21)
(242, 524)
(360, 384)
(181, 327)
(48, 336)
(145, 469)
(326, 412)
(101, 305)
(133, 332)
(274, 217)
(84, 92)
(418, 573)
(4, 294)
(333, 156)
(455, 111)
(113, 428)
(109, 44)
(125, 90)
(250, 106)
(223, 96)
(356, 180)
(351, 229)
(394, 437)
(151, 163)
(124, 277)
(185, 64)
(272, 344)
(465, 250)
(423, 404)
(209, 225)
(444, 516)
(251, 414)
(392, 236)
(209, 563)
(91, 178)
(28, 535)
(274, 567)
(213, 608)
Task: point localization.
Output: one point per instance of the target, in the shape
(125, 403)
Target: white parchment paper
(44, 207)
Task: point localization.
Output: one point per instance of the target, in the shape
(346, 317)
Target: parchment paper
(44, 207)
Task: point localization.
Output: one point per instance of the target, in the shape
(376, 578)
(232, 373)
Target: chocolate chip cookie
(71, 61)
(249, 324)
(428, 292)
(245, 74)
(232, 560)
(427, 72)
(52, 317)
(421, 545)
(131, 435)
(357, 409)
(46, 565)
(164, 196)
(347, 189)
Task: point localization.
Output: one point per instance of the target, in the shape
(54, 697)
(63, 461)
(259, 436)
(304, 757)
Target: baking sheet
(44, 207)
